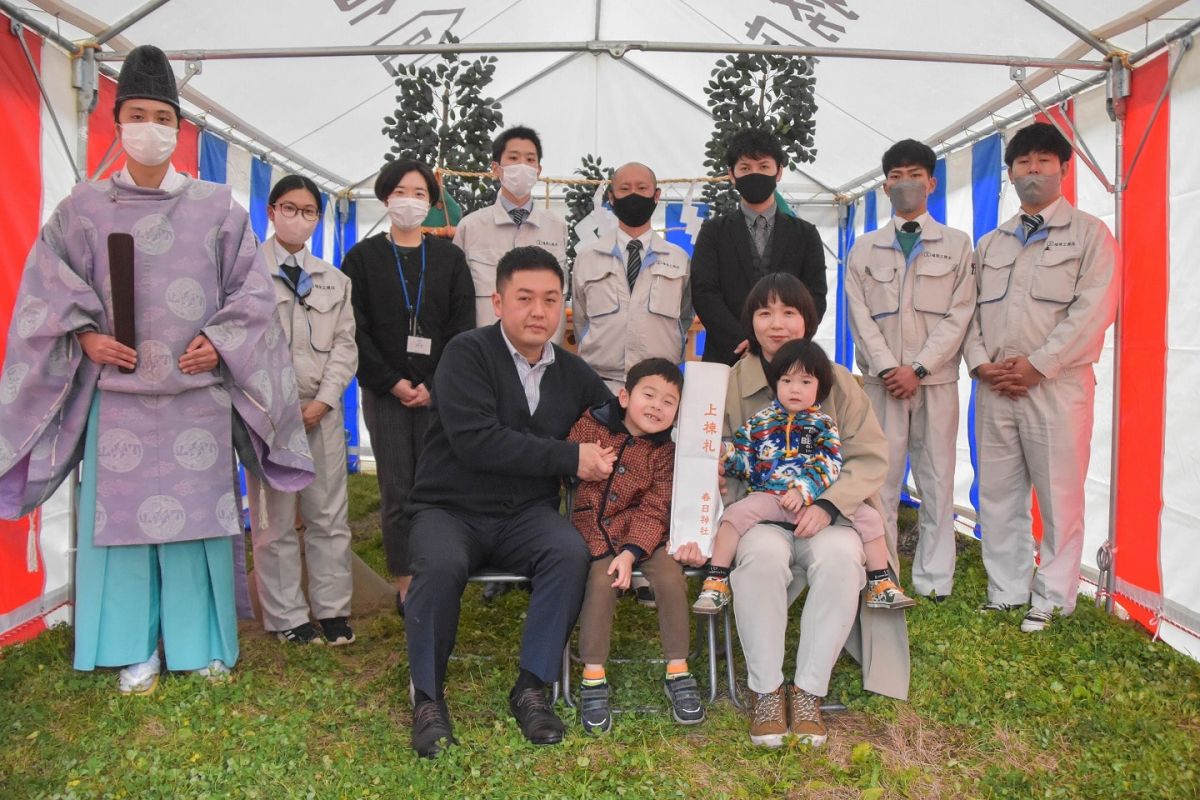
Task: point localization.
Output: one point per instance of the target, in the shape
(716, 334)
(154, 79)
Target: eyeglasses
(289, 210)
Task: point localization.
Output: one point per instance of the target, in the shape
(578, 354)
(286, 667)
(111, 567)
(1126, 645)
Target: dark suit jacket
(723, 273)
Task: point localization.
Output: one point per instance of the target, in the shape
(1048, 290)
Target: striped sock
(593, 677)
(680, 671)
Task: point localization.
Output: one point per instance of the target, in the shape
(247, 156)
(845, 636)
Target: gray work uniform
(487, 234)
(615, 327)
(905, 311)
(1050, 299)
(320, 331)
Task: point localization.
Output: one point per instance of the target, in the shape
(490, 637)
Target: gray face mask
(1038, 190)
(908, 196)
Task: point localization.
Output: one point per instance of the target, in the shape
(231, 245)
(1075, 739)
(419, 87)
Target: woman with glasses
(412, 293)
(312, 302)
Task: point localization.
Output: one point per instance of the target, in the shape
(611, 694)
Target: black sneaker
(595, 711)
(645, 597)
(301, 634)
(431, 731)
(337, 631)
(993, 607)
(684, 693)
(537, 719)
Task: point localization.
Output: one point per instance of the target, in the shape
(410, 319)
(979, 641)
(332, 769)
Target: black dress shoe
(538, 722)
(493, 589)
(431, 731)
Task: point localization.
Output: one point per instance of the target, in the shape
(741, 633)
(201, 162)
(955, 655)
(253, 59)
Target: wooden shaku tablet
(120, 266)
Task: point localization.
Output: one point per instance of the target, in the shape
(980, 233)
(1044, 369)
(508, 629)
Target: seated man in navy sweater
(486, 493)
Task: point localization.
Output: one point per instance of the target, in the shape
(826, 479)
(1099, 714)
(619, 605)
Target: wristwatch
(918, 368)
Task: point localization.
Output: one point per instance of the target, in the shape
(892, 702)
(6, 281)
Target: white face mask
(148, 143)
(518, 179)
(407, 212)
(293, 230)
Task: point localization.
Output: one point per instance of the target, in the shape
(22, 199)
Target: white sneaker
(1036, 620)
(141, 678)
(215, 671)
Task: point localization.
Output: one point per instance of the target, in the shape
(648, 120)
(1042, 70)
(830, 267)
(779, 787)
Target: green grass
(1091, 709)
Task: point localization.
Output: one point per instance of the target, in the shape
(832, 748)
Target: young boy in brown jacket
(624, 520)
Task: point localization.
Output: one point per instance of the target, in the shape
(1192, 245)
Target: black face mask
(634, 209)
(755, 187)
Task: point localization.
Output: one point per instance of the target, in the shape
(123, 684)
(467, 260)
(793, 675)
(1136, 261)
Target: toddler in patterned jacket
(789, 454)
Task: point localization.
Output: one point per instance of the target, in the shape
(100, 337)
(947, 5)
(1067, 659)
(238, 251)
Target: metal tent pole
(129, 19)
(1118, 90)
(1098, 44)
(618, 49)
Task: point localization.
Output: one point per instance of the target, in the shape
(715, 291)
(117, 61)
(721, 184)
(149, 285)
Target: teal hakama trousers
(128, 597)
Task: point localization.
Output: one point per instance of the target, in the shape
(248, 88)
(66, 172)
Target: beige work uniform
(773, 566)
(915, 311)
(1050, 299)
(616, 328)
(487, 234)
(321, 334)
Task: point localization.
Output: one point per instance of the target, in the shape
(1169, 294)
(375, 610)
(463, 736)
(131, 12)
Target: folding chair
(713, 621)
(487, 575)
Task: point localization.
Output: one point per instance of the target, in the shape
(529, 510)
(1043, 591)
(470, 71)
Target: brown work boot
(805, 711)
(768, 719)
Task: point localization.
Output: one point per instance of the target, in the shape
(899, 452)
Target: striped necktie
(634, 263)
(519, 215)
(1031, 222)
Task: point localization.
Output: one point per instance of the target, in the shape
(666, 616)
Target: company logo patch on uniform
(945, 256)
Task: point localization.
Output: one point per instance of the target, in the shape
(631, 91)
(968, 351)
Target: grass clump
(1092, 708)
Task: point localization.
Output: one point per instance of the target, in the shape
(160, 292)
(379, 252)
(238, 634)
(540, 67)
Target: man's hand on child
(812, 520)
(595, 461)
(622, 565)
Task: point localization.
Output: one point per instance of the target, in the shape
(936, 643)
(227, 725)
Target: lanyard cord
(413, 311)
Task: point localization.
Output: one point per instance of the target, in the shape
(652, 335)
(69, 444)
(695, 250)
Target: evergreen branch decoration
(578, 197)
(774, 93)
(444, 119)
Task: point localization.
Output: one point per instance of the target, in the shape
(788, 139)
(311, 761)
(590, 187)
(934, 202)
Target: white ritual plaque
(695, 500)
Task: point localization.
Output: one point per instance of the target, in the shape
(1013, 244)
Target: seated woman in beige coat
(823, 552)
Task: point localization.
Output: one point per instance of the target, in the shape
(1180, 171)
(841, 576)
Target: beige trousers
(923, 430)
(323, 506)
(772, 568)
(1043, 441)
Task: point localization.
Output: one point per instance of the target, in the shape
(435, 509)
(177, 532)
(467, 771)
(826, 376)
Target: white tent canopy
(648, 106)
(306, 85)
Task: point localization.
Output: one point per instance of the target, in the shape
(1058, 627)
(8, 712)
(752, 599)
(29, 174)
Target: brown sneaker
(805, 710)
(768, 720)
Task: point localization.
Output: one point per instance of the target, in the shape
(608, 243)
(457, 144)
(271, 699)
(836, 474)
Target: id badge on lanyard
(417, 345)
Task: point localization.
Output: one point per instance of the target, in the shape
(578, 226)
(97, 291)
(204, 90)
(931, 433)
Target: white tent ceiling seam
(1146, 12)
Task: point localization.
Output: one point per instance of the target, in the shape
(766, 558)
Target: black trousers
(446, 547)
(397, 435)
